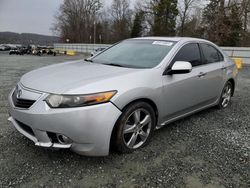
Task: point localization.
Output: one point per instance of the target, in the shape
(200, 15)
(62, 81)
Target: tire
(226, 96)
(134, 128)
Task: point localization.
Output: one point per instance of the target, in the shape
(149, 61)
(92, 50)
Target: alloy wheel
(137, 128)
(226, 95)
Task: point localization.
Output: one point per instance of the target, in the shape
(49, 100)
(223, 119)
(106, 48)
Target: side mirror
(179, 67)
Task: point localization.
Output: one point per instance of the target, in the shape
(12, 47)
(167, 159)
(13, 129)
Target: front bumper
(89, 128)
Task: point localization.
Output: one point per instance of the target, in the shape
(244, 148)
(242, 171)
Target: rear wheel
(226, 95)
(135, 127)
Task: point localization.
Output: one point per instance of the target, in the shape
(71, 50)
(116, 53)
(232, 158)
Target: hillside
(27, 38)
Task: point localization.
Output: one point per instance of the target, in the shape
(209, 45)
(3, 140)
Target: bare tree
(121, 17)
(219, 20)
(244, 10)
(75, 19)
(245, 5)
(185, 7)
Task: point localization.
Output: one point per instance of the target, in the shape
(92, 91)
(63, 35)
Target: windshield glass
(135, 53)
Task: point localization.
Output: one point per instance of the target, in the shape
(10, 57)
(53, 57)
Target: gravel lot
(209, 149)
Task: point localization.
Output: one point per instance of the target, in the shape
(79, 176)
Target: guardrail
(236, 52)
(83, 48)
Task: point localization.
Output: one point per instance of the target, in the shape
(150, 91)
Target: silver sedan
(120, 96)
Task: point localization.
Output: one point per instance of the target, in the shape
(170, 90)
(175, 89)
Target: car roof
(175, 39)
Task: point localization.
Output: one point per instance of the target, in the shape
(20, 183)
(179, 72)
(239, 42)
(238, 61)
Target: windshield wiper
(88, 60)
(113, 64)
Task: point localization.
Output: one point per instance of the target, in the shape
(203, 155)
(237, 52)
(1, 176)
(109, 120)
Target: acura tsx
(120, 96)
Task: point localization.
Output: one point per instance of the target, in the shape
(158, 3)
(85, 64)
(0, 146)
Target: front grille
(21, 103)
(26, 128)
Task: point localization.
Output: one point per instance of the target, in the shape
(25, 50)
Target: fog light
(62, 139)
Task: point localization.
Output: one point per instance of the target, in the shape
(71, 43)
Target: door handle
(202, 74)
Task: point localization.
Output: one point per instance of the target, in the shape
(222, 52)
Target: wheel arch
(147, 100)
(232, 81)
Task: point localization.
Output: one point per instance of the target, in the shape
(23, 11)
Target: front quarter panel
(137, 84)
(143, 85)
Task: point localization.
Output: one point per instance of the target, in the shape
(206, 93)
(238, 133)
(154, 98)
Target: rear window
(211, 54)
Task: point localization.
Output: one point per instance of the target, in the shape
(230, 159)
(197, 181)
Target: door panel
(183, 93)
(186, 92)
(213, 81)
(213, 63)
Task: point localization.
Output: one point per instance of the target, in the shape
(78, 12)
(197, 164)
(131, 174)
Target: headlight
(69, 101)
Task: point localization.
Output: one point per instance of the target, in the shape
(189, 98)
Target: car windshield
(135, 53)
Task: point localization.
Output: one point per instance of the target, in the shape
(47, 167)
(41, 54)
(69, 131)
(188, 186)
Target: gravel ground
(208, 149)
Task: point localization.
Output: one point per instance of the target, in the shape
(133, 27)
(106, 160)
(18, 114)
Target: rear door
(213, 62)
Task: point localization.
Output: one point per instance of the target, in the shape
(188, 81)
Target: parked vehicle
(19, 51)
(24, 50)
(120, 96)
(4, 48)
(97, 51)
(37, 52)
(11, 52)
(50, 51)
(11, 46)
(16, 52)
(29, 50)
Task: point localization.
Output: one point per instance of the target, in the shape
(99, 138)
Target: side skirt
(186, 114)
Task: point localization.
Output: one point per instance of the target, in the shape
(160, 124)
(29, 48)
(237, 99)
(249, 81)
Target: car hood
(63, 77)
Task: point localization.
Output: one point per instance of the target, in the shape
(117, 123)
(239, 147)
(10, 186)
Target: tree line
(225, 22)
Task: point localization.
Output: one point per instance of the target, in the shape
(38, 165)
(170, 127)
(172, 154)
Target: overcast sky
(28, 16)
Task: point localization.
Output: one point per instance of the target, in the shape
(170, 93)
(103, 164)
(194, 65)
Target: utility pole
(94, 32)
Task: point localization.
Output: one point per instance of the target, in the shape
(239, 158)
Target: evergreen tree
(223, 25)
(164, 17)
(137, 27)
(235, 27)
(214, 19)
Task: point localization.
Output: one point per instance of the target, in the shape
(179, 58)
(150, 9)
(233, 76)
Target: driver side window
(191, 53)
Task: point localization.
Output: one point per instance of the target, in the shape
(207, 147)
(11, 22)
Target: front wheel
(134, 128)
(226, 95)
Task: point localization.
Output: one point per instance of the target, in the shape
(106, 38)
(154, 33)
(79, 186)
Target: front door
(183, 93)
